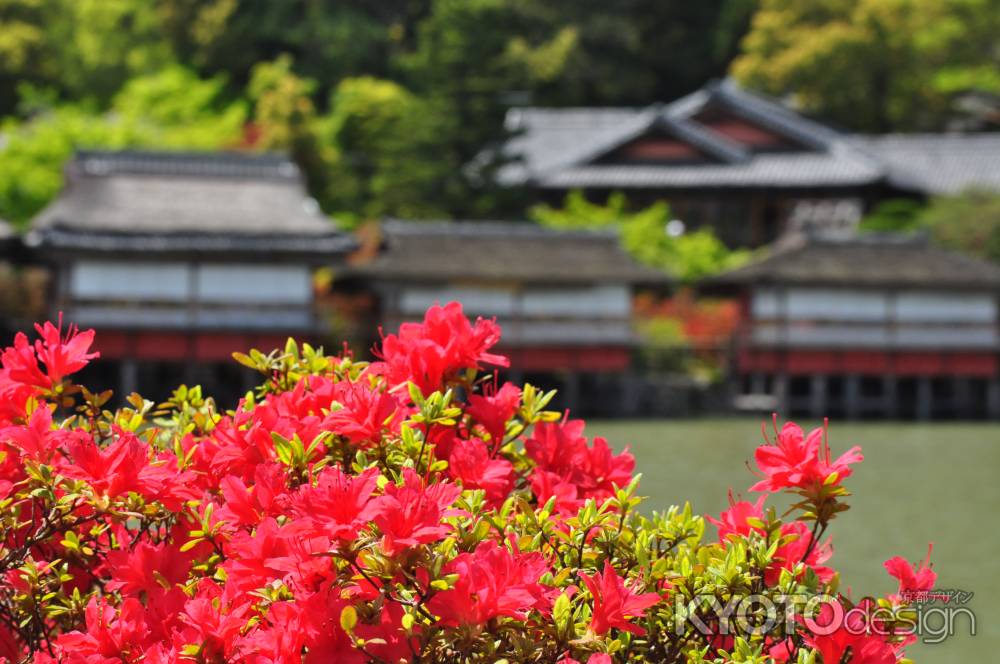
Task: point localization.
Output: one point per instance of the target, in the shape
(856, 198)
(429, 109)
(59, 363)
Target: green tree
(472, 58)
(896, 215)
(180, 109)
(968, 222)
(872, 65)
(327, 40)
(22, 46)
(635, 52)
(645, 234)
(286, 119)
(96, 45)
(386, 139)
(172, 109)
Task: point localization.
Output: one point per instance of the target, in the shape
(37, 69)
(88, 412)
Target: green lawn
(922, 483)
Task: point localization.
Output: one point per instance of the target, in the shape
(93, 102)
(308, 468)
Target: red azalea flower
(115, 635)
(339, 506)
(494, 408)
(545, 485)
(912, 578)
(111, 471)
(735, 519)
(147, 567)
(21, 364)
(213, 627)
(364, 414)
(560, 448)
(853, 636)
(797, 461)
(434, 351)
(36, 440)
(492, 582)
(63, 355)
(470, 464)
(596, 658)
(615, 603)
(267, 496)
(411, 514)
(791, 553)
(253, 559)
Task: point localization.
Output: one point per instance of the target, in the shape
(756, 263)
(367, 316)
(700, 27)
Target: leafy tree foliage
(383, 104)
(873, 65)
(386, 104)
(644, 233)
(172, 109)
(969, 222)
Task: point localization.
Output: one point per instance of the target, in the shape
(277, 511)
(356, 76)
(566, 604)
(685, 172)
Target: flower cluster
(410, 509)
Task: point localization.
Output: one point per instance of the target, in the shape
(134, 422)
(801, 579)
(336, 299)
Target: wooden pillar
(993, 399)
(781, 394)
(852, 396)
(628, 383)
(925, 398)
(961, 397)
(890, 396)
(128, 377)
(571, 390)
(817, 396)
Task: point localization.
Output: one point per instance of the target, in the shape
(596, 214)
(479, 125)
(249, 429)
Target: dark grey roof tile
(425, 250)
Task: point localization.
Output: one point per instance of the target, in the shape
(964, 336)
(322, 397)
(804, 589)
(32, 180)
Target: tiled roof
(938, 163)
(185, 202)
(887, 261)
(431, 250)
(559, 149)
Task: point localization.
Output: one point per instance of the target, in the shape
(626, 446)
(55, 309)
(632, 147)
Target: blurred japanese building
(867, 327)
(563, 298)
(180, 259)
(748, 166)
(177, 260)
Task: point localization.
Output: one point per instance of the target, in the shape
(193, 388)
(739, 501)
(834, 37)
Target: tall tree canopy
(386, 104)
(873, 65)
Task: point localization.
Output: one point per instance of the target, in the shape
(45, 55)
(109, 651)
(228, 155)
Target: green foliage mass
(873, 65)
(968, 222)
(688, 257)
(386, 104)
(383, 104)
(169, 109)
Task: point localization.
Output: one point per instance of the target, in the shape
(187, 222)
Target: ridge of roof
(503, 251)
(166, 200)
(488, 228)
(103, 163)
(864, 260)
(556, 147)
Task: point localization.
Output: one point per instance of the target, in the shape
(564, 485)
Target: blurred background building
(671, 208)
(180, 259)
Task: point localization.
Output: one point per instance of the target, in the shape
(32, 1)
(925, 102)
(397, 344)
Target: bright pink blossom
(494, 408)
(912, 578)
(433, 352)
(412, 514)
(340, 505)
(615, 603)
(470, 464)
(796, 461)
(63, 355)
(492, 581)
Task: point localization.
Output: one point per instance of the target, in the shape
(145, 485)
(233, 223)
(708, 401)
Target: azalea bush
(412, 509)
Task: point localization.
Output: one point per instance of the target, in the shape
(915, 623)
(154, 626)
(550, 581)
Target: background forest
(385, 104)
